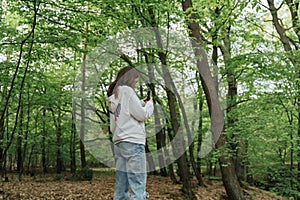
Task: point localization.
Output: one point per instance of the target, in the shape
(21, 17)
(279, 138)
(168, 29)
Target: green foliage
(85, 174)
(58, 177)
(267, 81)
(281, 180)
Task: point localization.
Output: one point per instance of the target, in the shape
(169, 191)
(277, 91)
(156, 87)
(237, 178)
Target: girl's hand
(145, 99)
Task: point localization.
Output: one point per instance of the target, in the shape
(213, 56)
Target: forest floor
(101, 187)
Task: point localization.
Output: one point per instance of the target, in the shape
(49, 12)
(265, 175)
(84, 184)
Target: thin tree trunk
(32, 36)
(2, 124)
(73, 134)
(182, 160)
(1, 149)
(27, 127)
(200, 124)
(58, 134)
(82, 123)
(160, 139)
(168, 132)
(237, 142)
(190, 141)
(200, 127)
(72, 143)
(19, 144)
(149, 158)
(5, 152)
(30, 166)
(44, 135)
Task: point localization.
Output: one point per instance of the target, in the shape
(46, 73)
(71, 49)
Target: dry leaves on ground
(101, 187)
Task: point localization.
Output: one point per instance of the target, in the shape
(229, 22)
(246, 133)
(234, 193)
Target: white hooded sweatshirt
(127, 116)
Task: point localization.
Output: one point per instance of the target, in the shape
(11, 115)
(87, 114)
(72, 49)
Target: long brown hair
(125, 76)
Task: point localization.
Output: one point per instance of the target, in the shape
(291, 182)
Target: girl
(127, 116)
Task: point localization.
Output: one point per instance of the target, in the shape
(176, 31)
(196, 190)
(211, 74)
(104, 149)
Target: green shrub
(282, 181)
(85, 174)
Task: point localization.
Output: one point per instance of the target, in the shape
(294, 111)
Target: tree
(228, 172)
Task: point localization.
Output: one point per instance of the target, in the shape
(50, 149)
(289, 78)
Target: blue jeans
(130, 171)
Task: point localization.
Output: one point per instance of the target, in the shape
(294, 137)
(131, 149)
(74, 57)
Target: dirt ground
(101, 187)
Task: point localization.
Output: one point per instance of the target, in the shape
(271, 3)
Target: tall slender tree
(229, 176)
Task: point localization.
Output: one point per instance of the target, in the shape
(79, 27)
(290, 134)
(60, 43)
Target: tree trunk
(72, 143)
(44, 135)
(27, 127)
(73, 134)
(2, 123)
(32, 37)
(58, 154)
(200, 124)
(168, 132)
(182, 160)
(57, 122)
(149, 159)
(30, 161)
(58, 135)
(82, 123)
(1, 149)
(189, 135)
(229, 177)
(237, 142)
(19, 144)
(83, 89)
(160, 139)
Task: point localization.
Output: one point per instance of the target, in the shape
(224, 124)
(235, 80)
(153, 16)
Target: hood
(113, 102)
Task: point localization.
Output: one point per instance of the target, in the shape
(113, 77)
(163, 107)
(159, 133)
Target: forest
(224, 76)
